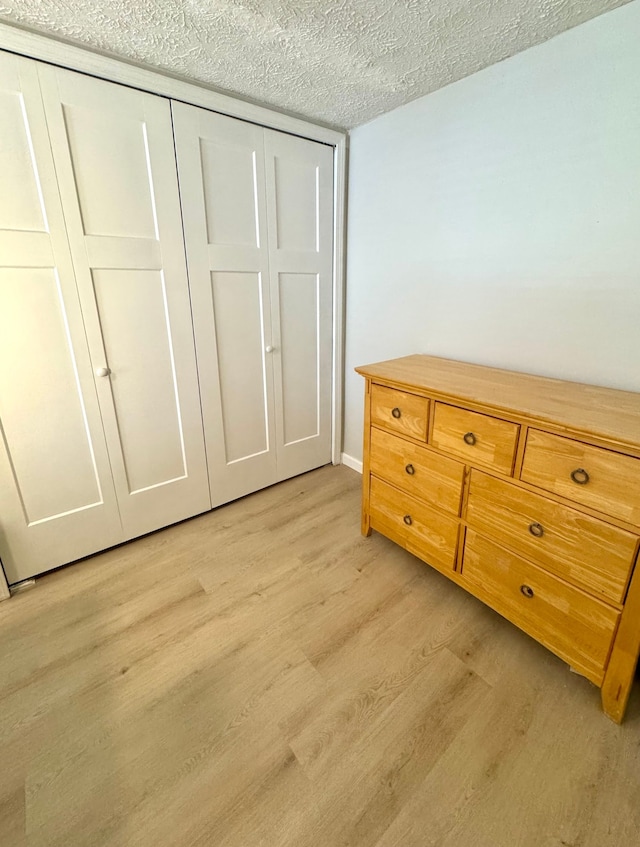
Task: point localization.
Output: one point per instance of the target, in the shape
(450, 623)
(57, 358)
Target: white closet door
(221, 171)
(57, 501)
(300, 215)
(113, 151)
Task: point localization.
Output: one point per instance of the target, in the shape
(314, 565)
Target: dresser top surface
(606, 412)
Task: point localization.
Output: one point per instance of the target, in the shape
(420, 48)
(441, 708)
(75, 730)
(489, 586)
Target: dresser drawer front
(420, 472)
(423, 531)
(399, 411)
(478, 439)
(583, 550)
(573, 625)
(601, 479)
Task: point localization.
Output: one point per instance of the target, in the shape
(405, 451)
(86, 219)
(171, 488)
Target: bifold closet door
(113, 152)
(299, 182)
(57, 501)
(222, 188)
(257, 209)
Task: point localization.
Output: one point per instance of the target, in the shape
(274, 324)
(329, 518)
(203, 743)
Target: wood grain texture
(494, 441)
(583, 530)
(262, 674)
(420, 528)
(581, 549)
(412, 411)
(365, 521)
(576, 626)
(622, 665)
(614, 480)
(418, 471)
(607, 412)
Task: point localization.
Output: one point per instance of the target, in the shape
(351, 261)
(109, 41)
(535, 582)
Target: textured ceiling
(337, 61)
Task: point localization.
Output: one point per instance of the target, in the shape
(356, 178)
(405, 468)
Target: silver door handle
(103, 371)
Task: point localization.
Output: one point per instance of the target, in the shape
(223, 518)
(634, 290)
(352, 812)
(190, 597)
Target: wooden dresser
(523, 490)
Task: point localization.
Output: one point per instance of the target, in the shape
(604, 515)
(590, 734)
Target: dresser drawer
(583, 550)
(400, 411)
(423, 531)
(420, 472)
(606, 481)
(575, 626)
(476, 438)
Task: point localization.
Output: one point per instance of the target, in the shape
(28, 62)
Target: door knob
(269, 349)
(103, 371)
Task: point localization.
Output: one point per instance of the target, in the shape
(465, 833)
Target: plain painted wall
(498, 219)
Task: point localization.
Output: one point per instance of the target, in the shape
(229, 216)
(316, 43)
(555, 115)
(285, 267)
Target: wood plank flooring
(263, 675)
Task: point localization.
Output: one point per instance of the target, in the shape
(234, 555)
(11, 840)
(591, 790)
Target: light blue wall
(498, 219)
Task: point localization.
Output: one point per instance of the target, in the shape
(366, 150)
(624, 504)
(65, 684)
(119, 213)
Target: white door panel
(258, 213)
(300, 214)
(110, 153)
(37, 372)
(294, 173)
(230, 171)
(221, 170)
(137, 339)
(21, 179)
(113, 150)
(237, 304)
(300, 362)
(57, 501)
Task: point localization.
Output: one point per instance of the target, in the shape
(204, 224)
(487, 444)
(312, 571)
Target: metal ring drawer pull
(527, 591)
(410, 470)
(580, 476)
(536, 529)
(408, 520)
(396, 412)
(469, 438)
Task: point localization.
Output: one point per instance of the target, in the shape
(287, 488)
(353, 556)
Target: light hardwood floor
(263, 675)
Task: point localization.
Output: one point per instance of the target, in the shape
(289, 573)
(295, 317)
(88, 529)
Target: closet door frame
(46, 49)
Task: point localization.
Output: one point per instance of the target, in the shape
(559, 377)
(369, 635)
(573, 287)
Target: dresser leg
(615, 708)
(617, 684)
(365, 526)
(621, 669)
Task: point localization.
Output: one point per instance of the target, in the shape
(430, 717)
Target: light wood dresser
(523, 490)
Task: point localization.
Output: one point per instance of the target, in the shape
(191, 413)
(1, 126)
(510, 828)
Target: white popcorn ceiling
(341, 62)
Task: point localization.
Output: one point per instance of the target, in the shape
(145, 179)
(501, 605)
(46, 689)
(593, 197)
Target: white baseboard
(350, 462)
